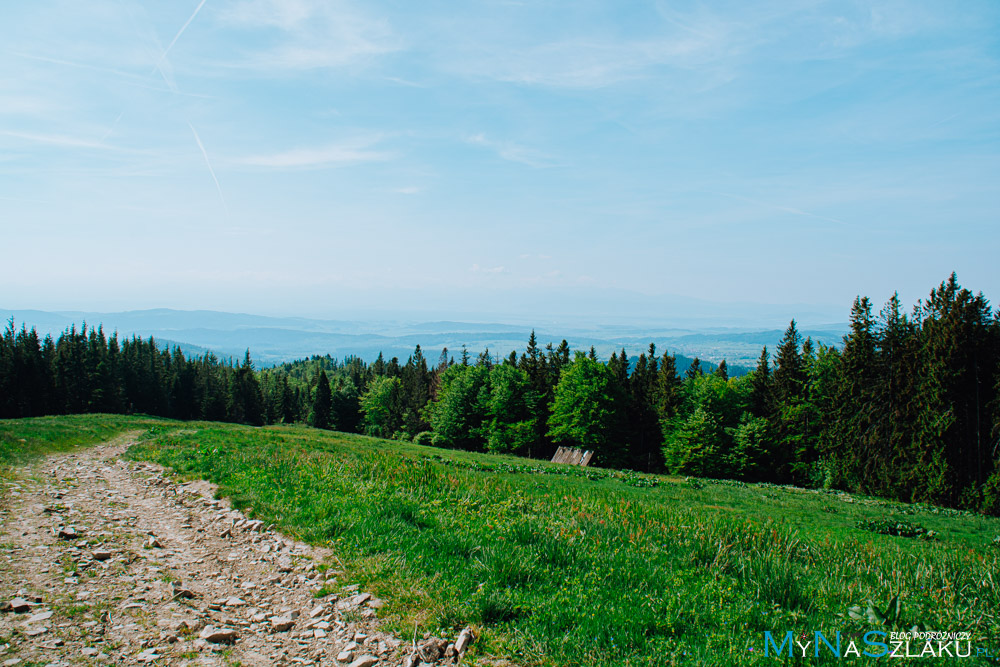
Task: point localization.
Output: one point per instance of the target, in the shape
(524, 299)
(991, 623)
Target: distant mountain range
(273, 340)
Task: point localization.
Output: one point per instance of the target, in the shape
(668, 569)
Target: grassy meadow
(556, 565)
(24, 440)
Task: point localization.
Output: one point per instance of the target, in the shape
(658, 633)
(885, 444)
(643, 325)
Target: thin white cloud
(779, 207)
(492, 269)
(334, 155)
(408, 190)
(595, 64)
(715, 46)
(59, 140)
(24, 104)
(513, 152)
(312, 33)
(405, 82)
(73, 63)
(519, 47)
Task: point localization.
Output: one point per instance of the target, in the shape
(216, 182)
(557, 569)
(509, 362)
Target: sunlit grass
(565, 569)
(564, 566)
(23, 440)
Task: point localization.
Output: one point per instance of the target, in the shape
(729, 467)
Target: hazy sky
(307, 156)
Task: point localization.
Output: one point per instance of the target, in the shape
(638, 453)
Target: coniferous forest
(906, 407)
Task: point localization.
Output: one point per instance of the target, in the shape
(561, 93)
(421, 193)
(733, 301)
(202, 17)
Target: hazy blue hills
(275, 339)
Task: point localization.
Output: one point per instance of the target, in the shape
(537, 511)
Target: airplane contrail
(112, 128)
(209, 164)
(180, 32)
(787, 209)
(171, 84)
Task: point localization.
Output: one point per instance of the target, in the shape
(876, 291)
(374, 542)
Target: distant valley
(274, 340)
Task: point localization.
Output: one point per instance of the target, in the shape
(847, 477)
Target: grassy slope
(23, 440)
(564, 569)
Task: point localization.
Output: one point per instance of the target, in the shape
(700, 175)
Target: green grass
(24, 440)
(557, 565)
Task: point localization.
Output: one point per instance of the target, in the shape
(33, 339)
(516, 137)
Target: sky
(321, 157)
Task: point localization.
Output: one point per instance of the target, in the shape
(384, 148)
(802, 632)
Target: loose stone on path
(112, 562)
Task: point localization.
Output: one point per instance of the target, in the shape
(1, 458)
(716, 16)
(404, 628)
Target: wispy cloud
(491, 269)
(590, 51)
(513, 152)
(333, 155)
(60, 140)
(74, 63)
(779, 207)
(24, 104)
(408, 190)
(595, 64)
(312, 33)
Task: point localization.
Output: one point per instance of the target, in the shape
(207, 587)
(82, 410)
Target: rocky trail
(109, 562)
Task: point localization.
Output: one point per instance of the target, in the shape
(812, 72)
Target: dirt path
(104, 561)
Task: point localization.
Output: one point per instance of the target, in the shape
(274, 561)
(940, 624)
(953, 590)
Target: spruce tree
(642, 418)
(789, 369)
(668, 388)
(959, 359)
(288, 405)
(322, 406)
(760, 385)
(415, 391)
(848, 444)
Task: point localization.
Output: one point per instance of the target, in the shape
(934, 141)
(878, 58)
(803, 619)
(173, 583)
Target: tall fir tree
(668, 388)
(322, 406)
(849, 445)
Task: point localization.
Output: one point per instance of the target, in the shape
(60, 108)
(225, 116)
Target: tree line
(906, 407)
(85, 370)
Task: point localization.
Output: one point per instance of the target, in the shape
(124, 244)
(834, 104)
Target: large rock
(464, 639)
(43, 616)
(179, 590)
(282, 623)
(68, 533)
(218, 635)
(364, 661)
(20, 605)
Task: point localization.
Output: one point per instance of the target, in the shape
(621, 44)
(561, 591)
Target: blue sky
(310, 157)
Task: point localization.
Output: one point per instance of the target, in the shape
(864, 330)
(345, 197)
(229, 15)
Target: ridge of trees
(908, 407)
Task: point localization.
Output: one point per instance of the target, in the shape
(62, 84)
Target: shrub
(896, 528)
(424, 438)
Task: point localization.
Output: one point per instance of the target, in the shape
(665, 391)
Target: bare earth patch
(104, 561)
